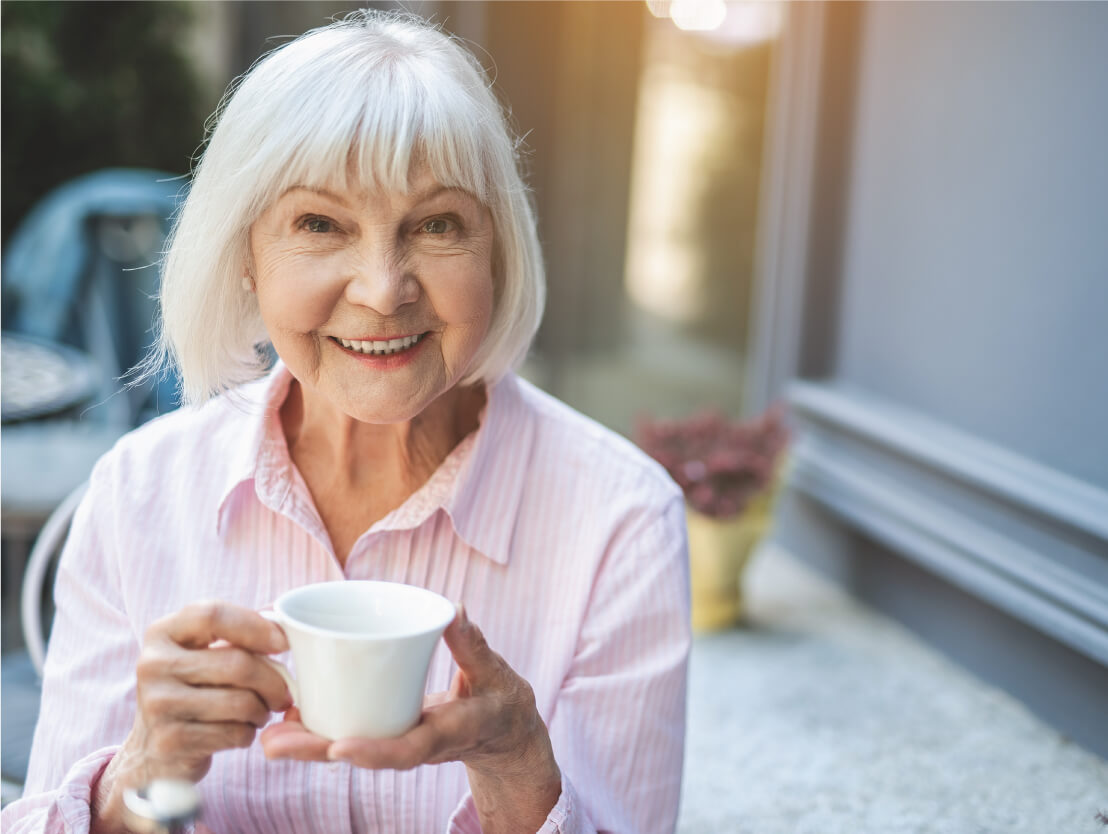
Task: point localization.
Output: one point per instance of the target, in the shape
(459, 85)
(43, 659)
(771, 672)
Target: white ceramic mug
(361, 650)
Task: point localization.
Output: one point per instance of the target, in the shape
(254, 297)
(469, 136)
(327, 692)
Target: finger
(200, 624)
(468, 647)
(443, 734)
(459, 687)
(401, 753)
(203, 704)
(181, 740)
(232, 667)
(433, 699)
(290, 739)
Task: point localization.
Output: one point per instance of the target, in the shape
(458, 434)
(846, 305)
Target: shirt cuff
(71, 810)
(566, 817)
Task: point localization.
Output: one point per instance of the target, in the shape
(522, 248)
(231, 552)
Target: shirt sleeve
(618, 727)
(88, 698)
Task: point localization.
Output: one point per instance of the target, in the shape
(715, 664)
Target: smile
(380, 348)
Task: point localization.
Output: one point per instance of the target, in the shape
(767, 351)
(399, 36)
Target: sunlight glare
(698, 15)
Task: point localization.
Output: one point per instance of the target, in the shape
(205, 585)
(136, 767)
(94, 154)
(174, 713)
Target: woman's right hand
(194, 699)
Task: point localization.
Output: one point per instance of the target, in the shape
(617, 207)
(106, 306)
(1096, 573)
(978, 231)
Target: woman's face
(376, 302)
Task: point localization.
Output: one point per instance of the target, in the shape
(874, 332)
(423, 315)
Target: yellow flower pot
(719, 550)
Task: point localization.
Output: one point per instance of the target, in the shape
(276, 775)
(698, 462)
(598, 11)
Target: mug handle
(278, 667)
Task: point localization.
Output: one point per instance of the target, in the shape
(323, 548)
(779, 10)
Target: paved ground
(824, 717)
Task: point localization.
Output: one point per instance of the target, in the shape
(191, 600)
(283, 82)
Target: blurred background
(891, 216)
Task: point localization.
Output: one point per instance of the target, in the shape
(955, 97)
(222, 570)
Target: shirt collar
(257, 451)
(479, 485)
(485, 501)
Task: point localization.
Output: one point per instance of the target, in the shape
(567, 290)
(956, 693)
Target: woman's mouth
(380, 347)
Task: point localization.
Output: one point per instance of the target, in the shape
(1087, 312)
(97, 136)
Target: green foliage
(89, 86)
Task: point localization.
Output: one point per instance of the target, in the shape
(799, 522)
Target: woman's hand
(488, 720)
(194, 698)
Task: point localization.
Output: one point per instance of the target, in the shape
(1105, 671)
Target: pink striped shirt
(566, 544)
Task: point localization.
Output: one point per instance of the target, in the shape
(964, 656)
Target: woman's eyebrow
(323, 192)
(433, 191)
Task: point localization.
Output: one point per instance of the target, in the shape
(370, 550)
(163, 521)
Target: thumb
(467, 645)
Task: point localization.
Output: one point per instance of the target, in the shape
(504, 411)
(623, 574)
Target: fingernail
(462, 618)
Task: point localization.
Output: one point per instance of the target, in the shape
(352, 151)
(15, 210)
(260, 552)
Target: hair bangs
(409, 116)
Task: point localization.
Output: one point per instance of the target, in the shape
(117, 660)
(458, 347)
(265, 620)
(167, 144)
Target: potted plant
(728, 471)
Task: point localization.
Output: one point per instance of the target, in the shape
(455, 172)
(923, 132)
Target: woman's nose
(381, 284)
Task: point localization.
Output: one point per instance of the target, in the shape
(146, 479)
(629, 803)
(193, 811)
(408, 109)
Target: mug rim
(286, 618)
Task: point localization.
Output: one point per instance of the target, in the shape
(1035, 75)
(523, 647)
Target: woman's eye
(438, 226)
(318, 225)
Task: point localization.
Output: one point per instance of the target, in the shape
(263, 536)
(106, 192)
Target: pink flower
(721, 465)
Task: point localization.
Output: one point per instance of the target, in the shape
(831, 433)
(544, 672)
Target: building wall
(950, 395)
(975, 249)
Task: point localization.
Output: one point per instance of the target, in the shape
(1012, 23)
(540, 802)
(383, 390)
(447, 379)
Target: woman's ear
(248, 281)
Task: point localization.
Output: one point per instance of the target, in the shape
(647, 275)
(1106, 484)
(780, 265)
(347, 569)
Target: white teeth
(380, 348)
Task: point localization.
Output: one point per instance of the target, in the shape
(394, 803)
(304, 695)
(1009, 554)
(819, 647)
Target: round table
(39, 377)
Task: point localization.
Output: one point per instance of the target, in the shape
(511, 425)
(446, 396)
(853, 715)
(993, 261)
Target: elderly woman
(359, 208)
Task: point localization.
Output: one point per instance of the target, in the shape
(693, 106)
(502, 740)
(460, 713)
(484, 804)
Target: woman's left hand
(488, 720)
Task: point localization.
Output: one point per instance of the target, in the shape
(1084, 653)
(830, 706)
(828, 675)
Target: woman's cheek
(310, 287)
(462, 291)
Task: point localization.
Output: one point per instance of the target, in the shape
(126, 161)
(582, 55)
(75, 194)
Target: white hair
(367, 99)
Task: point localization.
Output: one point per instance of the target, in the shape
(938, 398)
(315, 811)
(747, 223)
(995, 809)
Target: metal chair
(21, 671)
(83, 269)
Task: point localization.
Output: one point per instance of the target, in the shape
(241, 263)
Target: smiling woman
(380, 240)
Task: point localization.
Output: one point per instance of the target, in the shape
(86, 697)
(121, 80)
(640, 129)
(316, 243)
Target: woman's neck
(360, 454)
(359, 472)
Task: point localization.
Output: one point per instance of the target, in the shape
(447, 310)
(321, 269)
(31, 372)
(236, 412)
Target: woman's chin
(382, 407)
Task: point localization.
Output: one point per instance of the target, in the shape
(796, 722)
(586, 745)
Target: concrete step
(821, 716)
